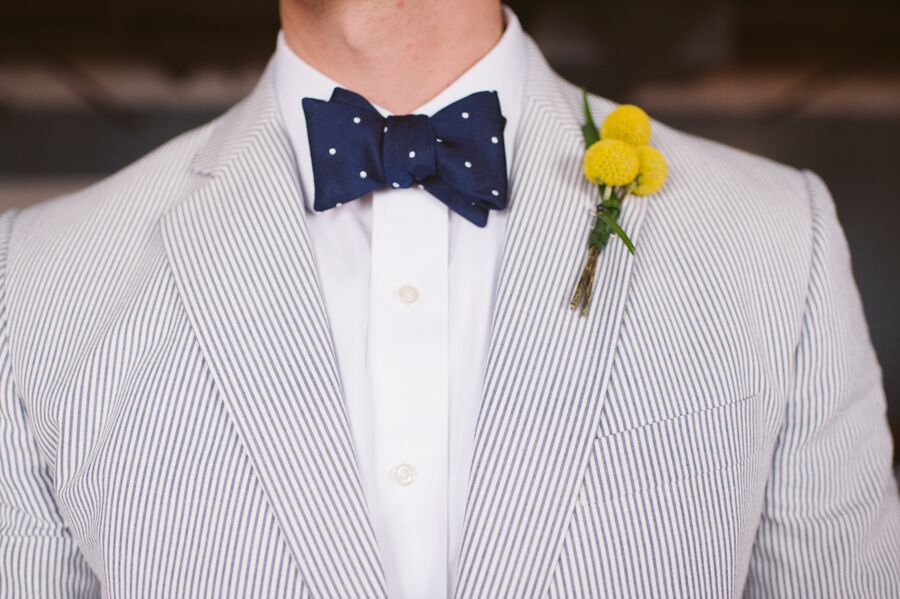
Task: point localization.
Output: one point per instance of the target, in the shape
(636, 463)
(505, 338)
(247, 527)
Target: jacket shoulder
(144, 188)
(77, 264)
(109, 225)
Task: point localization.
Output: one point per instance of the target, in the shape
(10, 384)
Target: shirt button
(408, 294)
(404, 475)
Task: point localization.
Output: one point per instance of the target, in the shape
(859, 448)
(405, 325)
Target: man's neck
(397, 53)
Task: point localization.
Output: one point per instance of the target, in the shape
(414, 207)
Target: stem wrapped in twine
(605, 225)
(585, 285)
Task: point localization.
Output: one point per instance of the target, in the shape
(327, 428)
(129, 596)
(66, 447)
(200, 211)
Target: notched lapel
(241, 255)
(548, 368)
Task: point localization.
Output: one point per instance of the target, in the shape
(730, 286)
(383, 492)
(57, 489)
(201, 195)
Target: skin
(397, 53)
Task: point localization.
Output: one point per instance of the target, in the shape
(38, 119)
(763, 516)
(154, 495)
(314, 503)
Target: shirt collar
(503, 69)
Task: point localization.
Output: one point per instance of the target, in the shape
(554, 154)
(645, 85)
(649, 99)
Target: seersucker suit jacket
(173, 425)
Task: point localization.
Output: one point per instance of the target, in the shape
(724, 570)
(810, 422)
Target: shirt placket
(408, 366)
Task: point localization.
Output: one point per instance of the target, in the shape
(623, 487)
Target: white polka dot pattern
(399, 151)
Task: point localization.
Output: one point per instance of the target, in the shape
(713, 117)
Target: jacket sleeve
(830, 525)
(38, 557)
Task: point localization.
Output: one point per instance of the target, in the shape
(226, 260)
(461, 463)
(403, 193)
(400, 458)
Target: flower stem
(605, 225)
(585, 286)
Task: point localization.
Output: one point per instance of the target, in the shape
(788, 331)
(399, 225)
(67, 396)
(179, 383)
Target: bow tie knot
(457, 155)
(408, 150)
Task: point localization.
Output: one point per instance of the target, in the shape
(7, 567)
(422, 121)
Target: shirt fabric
(409, 289)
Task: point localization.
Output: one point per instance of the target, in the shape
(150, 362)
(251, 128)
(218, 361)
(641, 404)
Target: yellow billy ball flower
(612, 162)
(652, 173)
(627, 123)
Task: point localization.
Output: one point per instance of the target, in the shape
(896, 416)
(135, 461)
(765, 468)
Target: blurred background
(88, 86)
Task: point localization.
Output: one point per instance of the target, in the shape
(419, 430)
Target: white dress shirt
(409, 288)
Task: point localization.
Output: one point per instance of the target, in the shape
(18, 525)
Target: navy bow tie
(457, 155)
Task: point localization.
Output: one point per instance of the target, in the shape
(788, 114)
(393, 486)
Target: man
(224, 375)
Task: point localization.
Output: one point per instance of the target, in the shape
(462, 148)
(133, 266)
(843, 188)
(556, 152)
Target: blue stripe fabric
(172, 422)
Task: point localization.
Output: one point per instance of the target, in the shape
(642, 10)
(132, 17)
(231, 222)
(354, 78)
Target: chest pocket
(664, 452)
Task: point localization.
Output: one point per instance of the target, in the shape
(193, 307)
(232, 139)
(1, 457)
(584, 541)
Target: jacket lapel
(242, 259)
(548, 368)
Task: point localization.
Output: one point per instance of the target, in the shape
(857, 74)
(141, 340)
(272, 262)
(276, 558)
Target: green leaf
(612, 224)
(589, 129)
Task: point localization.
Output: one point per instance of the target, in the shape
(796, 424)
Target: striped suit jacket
(173, 424)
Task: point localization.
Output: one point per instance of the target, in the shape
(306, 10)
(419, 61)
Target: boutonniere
(619, 160)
